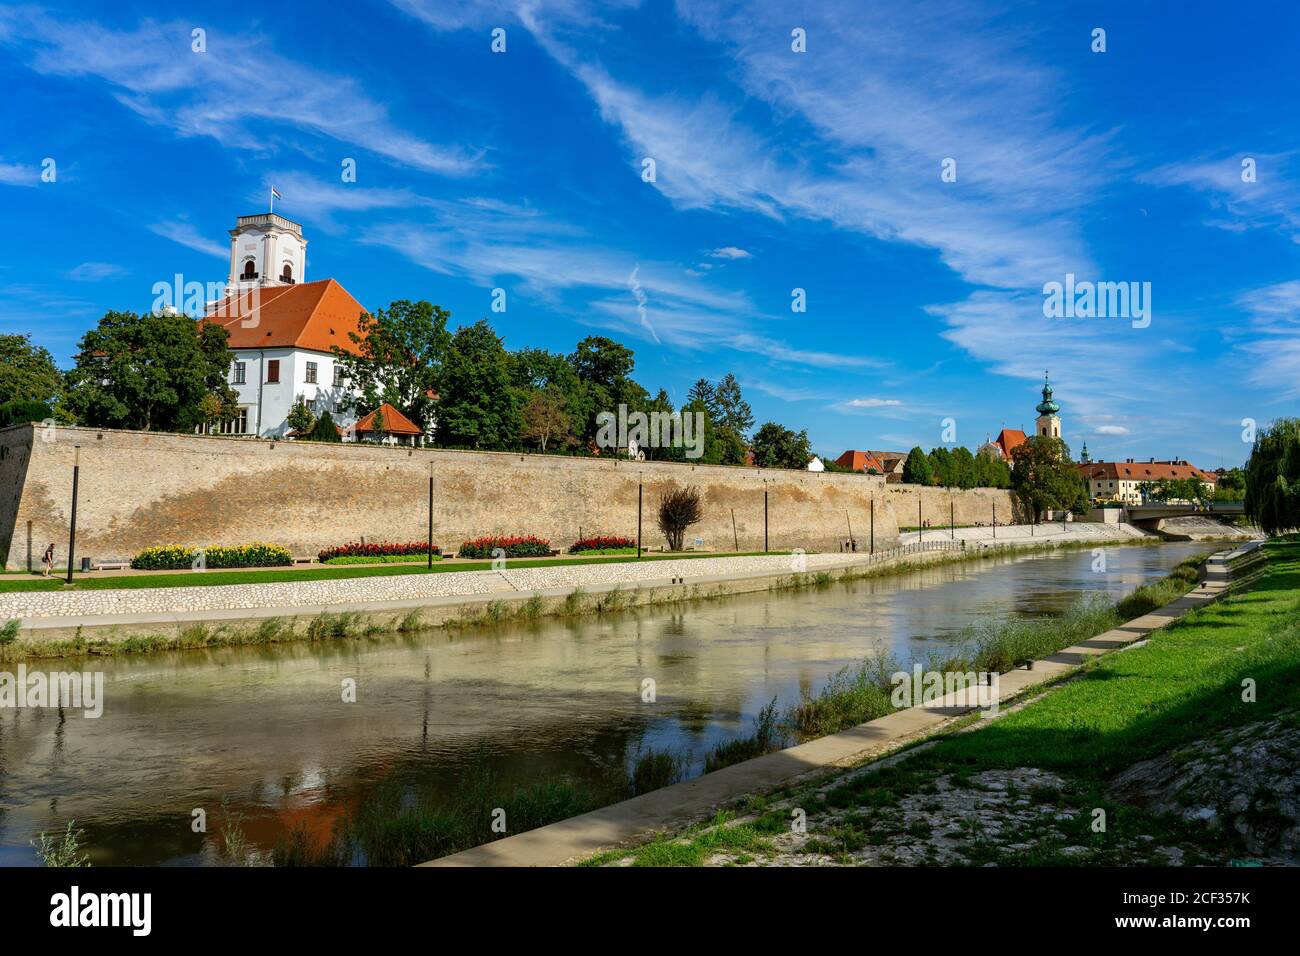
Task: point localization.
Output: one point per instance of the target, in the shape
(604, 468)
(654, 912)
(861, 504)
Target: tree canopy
(776, 446)
(27, 372)
(150, 372)
(1045, 477)
(1272, 478)
(401, 351)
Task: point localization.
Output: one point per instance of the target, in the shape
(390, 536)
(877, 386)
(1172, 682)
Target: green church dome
(1047, 406)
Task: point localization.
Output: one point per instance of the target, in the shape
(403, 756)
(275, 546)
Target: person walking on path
(48, 560)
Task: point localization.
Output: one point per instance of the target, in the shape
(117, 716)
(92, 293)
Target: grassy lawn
(319, 573)
(1183, 686)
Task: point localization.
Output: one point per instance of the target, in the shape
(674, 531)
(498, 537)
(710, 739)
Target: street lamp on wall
(72, 525)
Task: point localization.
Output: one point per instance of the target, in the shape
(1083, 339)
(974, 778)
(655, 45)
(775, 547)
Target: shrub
(379, 550)
(601, 543)
(180, 558)
(324, 430)
(526, 546)
(20, 413)
(679, 508)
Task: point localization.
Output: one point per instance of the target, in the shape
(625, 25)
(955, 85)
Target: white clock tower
(266, 250)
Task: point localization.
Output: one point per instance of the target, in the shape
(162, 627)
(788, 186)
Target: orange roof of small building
(395, 423)
(1009, 439)
(1144, 471)
(881, 461)
(313, 315)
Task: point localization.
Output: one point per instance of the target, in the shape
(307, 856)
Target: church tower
(1049, 423)
(266, 250)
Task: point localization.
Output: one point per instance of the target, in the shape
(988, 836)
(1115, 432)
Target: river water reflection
(265, 729)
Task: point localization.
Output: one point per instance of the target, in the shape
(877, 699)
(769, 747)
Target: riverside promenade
(47, 615)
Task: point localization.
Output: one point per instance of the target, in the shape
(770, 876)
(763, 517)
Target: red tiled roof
(883, 462)
(1142, 471)
(312, 315)
(1009, 439)
(395, 423)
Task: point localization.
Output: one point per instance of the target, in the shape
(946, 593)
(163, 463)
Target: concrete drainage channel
(672, 808)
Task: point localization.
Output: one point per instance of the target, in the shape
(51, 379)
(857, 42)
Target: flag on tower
(275, 193)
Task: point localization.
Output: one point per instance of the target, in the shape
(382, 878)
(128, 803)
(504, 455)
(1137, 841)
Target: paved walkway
(1058, 531)
(49, 609)
(674, 807)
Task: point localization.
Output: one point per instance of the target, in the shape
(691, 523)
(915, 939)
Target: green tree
(149, 372)
(1045, 477)
(917, 469)
(27, 372)
(300, 417)
(1272, 478)
(604, 369)
(479, 407)
(733, 411)
(545, 419)
(1231, 486)
(325, 429)
(399, 356)
(963, 468)
(704, 393)
(776, 446)
(941, 467)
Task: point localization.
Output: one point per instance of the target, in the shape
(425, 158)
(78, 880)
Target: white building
(282, 329)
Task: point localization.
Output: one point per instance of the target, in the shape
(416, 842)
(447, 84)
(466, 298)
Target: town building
(283, 330)
(887, 463)
(1128, 480)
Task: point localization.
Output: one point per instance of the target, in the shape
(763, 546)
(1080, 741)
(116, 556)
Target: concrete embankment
(674, 807)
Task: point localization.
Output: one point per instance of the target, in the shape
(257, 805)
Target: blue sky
(775, 170)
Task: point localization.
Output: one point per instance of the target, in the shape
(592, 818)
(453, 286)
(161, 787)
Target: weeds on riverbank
(768, 736)
(862, 692)
(395, 827)
(62, 849)
(655, 769)
(1149, 597)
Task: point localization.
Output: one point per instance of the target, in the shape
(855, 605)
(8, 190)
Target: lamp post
(952, 520)
(72, 527)
(872, 545)
(431, 515)
(640, 489)
(765, 516)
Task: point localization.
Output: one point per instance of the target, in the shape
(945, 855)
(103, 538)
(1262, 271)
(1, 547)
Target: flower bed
(177, 558)
(377, 550)
(382, 559)
(606, 544)
(526, 546)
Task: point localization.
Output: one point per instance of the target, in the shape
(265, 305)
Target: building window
(240, 375)
(273, 371)
(287, 274)
(250, 270)
(338, 375)
(311, 373)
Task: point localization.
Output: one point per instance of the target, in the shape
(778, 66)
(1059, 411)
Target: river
(263, 732)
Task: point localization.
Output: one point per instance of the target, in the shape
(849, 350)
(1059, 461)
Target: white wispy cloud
(239, 92)
(187, 235)
(18, 174)
(1270, 201)
(1272, 356)
(96, 271)
(730, 252)
(1111, 430)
